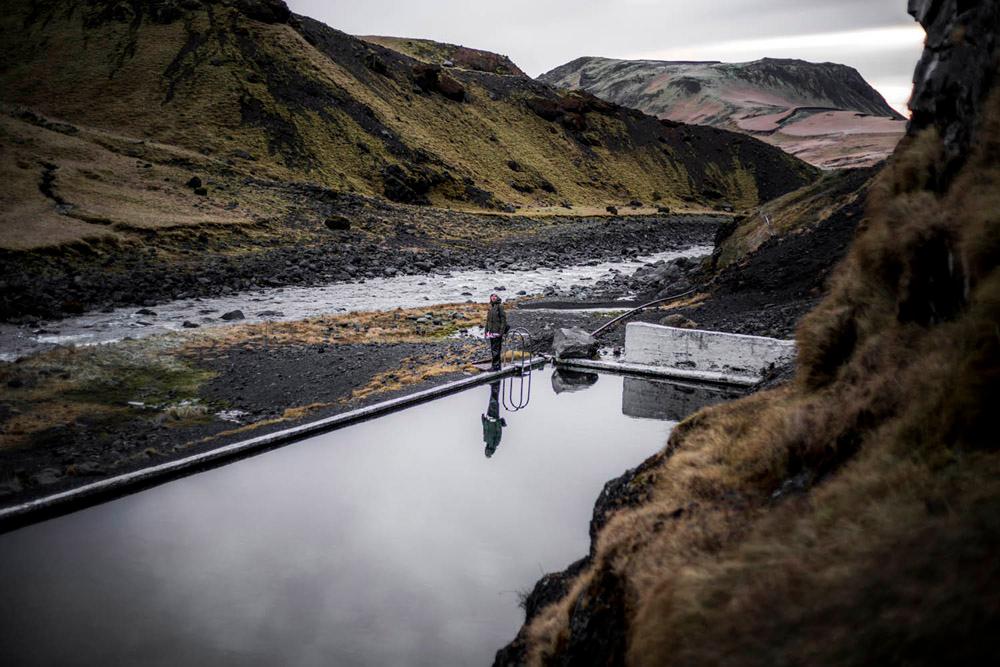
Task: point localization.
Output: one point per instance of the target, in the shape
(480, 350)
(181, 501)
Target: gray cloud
(539, 35)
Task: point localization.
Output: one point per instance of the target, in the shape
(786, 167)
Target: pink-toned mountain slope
(824, 113)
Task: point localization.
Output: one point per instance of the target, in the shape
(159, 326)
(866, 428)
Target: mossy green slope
(277, 96)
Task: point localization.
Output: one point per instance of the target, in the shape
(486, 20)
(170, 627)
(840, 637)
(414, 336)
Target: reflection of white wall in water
(696, 350)
(668, 401)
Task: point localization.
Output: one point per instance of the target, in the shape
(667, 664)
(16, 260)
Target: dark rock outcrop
(955, 73)
(266, 11)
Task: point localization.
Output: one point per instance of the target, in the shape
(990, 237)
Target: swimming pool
(394, 541)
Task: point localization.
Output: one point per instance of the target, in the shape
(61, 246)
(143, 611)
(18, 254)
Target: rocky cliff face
(851, 516)
(802, 107)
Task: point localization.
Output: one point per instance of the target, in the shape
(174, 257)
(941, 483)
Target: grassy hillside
(818, 204)
(852, 517)
(114, 105)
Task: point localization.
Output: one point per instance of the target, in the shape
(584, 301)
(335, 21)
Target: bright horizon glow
(815, 47)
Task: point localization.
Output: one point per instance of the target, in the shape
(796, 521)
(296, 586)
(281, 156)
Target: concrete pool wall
(727, 354)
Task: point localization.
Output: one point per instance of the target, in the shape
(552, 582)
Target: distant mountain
(825, 113)
(449, 55)
(156, 114)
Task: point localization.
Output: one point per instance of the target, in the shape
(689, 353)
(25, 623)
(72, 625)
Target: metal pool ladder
(519, 345)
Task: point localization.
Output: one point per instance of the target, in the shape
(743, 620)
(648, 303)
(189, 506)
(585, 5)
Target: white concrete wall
(696, 350)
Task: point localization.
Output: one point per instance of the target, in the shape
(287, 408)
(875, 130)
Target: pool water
(395, 541)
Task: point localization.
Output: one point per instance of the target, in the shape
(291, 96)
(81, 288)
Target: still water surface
(395, 541)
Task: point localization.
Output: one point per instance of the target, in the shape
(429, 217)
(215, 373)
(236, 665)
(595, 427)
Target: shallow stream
(294, 303)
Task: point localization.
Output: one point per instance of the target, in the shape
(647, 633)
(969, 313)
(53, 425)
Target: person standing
(496, 327)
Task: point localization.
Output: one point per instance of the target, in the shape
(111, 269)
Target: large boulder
(573, 343)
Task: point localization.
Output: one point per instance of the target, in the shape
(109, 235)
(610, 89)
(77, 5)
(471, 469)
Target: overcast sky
(875, 36)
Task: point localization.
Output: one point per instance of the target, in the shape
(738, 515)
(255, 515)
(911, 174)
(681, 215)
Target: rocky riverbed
(47, 285)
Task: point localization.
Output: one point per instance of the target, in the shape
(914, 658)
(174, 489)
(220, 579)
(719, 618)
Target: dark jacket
(496, 319)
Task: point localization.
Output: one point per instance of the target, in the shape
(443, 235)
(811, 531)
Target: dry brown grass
(853, 517)
(56, 388)
(393, 326)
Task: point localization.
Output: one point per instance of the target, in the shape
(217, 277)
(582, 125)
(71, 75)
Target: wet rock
(87, 468)
(201, 192)
(270, 313)
(10, 487)
(146, 311)
(193, 182)
(233, 315)
(574, 343)
(190, 325)
(564, 381)
(46, 476)
(613, 210)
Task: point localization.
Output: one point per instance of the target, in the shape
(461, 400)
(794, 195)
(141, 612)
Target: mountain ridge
(250, 90)
(809, 109)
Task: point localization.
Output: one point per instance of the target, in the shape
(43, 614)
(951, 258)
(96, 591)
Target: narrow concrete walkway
(106, 489)
(646, 370)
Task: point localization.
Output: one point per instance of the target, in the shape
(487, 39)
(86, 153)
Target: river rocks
(190, 325)
(234, 315)
(573, 343)
(564, 381)
(51, 287)
(47, 476)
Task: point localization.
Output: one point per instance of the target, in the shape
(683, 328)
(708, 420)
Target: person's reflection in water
(493, 423)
